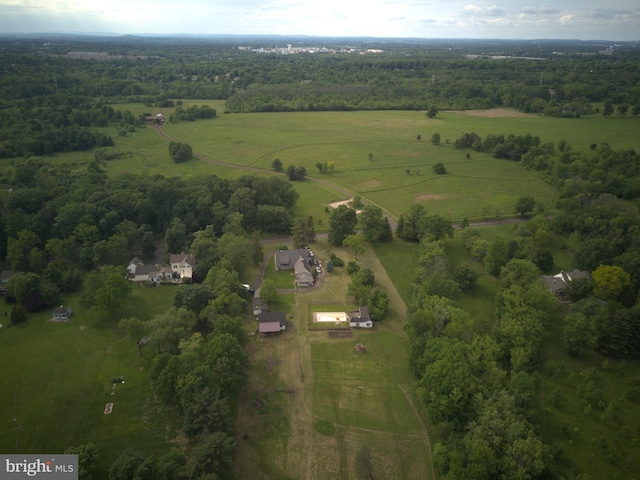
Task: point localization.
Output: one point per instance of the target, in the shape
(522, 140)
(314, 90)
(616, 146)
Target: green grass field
(56, 381)
(473, 188)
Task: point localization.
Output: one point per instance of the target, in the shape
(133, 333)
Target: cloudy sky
(524, 19)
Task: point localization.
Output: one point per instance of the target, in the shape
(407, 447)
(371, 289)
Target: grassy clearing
(361, 389)
(399, 260)
(56, 372)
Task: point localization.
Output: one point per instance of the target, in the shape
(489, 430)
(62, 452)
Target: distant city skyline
(517, 19)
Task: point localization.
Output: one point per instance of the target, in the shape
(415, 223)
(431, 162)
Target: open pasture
(57, 379)
(376, 154)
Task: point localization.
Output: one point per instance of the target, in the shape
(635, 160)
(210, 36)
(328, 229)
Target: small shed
(61, 313)
(272, 322)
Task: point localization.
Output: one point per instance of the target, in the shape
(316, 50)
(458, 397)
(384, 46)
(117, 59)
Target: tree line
(61, 221)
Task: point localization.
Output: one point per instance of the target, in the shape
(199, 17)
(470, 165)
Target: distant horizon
(303, 36)
(429, 19)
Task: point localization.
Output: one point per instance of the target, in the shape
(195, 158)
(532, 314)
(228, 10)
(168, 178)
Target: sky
(514, 19)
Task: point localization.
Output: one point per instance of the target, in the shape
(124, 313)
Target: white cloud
(566, 19)
(540, 10)
(422, 18)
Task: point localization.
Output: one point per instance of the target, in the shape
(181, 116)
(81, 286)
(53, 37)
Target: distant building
(558, 283)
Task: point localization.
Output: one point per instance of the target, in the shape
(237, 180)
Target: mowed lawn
(56, 380)
(361, 389)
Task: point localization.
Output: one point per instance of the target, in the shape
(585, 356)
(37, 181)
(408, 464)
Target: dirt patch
(344, 202)
(271, 362)
(368, 185)
(258, 404)
(340, 334)
(428, 196)
(497, 113)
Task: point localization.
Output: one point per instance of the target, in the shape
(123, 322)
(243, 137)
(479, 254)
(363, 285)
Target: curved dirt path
(425, 432)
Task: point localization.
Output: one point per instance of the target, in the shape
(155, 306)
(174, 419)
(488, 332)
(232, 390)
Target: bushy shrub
(337, 261)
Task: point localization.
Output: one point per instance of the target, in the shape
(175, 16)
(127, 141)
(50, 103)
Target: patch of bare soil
(258, 404)
(428, 196)
(271, 362)
(340, 334)
(497, 113)
(337, 204)
(368, 185)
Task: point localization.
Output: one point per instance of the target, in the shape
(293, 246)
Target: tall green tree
(303, 232)
(377, 305)
(106, 288)
(342, 223)
(180, 152)
(610, 282)
(355, 243)
(525, 205)
(268, 291)
(372, 222)
(176, 236)
(20, 250)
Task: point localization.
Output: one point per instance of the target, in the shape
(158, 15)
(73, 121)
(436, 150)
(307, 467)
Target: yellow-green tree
(610, 282)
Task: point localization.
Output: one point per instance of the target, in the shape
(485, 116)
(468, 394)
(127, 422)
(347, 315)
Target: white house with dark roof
(137, 271)
(360, 319)
(183, 264)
